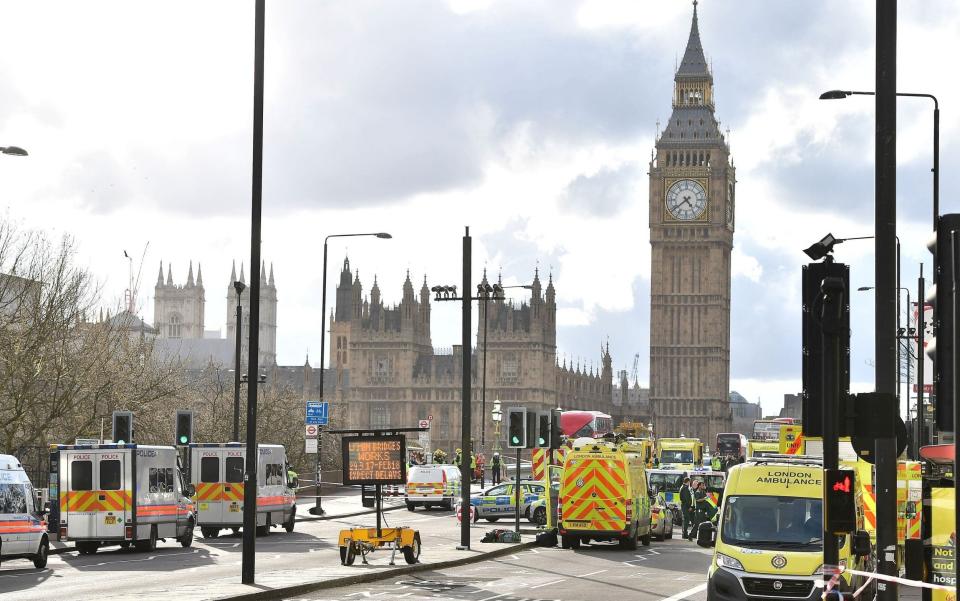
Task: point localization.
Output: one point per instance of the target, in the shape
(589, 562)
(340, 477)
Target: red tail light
(128, 532)
(444, 478)
(63, 532)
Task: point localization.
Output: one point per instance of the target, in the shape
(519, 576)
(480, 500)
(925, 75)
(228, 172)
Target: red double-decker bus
(592, 424)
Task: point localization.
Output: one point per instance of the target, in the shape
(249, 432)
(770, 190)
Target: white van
(216, 471)
(119, 494)
(22, 531)
(432, 484)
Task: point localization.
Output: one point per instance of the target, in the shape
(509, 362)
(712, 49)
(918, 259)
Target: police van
(119, 494)
(769, 538)
(432, 484)
(22, 531)
(216, 472)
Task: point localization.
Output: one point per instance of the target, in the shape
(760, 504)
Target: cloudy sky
(532, 122)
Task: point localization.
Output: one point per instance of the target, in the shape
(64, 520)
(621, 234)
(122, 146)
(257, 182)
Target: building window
(379, 416)
(173, 327)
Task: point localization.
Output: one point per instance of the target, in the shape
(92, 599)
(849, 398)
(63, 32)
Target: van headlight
(725, 561)
(819, 570)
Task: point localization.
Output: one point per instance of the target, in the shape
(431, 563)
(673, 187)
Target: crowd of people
(477, 463)
(696, 506)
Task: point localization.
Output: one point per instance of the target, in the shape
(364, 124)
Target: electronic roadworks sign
(374, 459)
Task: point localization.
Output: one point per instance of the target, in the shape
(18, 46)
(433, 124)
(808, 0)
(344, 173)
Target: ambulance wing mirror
(706, 535)
(860, 543)
(190, 490)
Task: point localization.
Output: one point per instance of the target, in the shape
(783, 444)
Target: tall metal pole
(886, 276)
(936, 162)
(834, 298)
(906, 346)
(250, 472)
(466, 392)
(318, 507)
(236, 371)
(897, 330)
(955, 336)
(483, 389)
(921, 356)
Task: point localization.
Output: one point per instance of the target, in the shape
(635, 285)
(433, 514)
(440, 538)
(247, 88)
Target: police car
(499, 501)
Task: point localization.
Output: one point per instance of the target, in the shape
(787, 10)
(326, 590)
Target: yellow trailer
(362, 541)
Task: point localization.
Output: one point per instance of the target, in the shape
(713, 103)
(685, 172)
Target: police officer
(686, 507)
(293, 479)
(457, 458)
(495, 468)
(473, 466)
(702, 512)
(716, 464)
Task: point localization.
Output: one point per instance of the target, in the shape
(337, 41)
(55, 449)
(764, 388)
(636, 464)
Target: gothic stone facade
(389, 374)
(692, 181)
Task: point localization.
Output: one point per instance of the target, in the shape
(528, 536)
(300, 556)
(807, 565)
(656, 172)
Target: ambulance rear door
(112, 474)
(209, 485)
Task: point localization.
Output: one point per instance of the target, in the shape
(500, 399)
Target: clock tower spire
(691, 220)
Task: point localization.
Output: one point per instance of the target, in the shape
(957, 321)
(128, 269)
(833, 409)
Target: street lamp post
(238, 286)
(317, 509)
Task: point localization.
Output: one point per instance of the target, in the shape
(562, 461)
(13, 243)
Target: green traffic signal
(183, 440)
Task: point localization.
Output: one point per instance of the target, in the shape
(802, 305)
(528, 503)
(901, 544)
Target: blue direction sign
(317, 413)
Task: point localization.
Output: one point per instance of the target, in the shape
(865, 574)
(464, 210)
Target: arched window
(173, 326)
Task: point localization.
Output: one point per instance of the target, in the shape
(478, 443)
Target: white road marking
(548, 583)
(495, 597)
(687, 593)
(591, 573)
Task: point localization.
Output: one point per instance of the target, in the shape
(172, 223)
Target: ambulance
(603, 494)
(762, 448)
(119, 494)
(679, 453)
(22, 531)
(216, 471)
(433, 484)
(769, 537)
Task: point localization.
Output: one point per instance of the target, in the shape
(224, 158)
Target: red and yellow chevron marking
(601, 498)
(232, 492)
(796, 445)
(538, 462)
(558, 455)
(870, 508)
(209, 491)
(90, 500)
(713, 498)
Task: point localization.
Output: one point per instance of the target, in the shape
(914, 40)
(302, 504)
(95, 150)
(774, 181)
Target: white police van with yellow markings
(22, 531)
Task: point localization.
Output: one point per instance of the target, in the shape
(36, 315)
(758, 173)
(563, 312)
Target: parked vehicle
(500, 501)
(119, 494)
(661, 518)
(23, 531)
(604, 495)
(216, 470)
(668, 483)
(432, 485)
(679, 453)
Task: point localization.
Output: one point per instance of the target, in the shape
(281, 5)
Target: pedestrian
(473, 466)
(495, 468)
(716, 464)
(457, 459)
(686, 506)
(701, 512)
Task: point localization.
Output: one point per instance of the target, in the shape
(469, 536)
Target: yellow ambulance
(679, 453)
(769, 537)
(603, 494)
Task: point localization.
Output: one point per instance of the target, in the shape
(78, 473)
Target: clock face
(686, 200)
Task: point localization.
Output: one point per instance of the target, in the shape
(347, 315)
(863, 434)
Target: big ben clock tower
(692, 182)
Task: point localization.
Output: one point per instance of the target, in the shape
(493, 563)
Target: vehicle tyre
(428, 506)
(669, 535)
(476, 515)
(411, 506)
(540, 516)
(492, 519)
(209, 532)
(351, 554)
(575, 542)
(263, 530)
(343, 556)
(289, 524)
(629, 542)
(645, 540)
(526, 513)
(449, 505)
(411, 554)
(150, 544)
(187, 539)
(87, 547)
(236, 531)
(40, 559)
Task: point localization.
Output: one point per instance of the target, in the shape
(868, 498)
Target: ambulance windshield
(676, 456)
(773, 522)
(13, 499)
(713, 482)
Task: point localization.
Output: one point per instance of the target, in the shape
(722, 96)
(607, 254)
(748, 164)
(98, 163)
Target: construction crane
(633, 374)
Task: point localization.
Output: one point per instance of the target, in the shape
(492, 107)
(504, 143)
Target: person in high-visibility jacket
(473, 466)
(716, 464)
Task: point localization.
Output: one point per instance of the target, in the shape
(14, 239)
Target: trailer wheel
(150, 544)
(40, 559)
(411, 554)
(350, 554)
(411, 506)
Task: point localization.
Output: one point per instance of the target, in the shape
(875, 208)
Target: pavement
(210, 569)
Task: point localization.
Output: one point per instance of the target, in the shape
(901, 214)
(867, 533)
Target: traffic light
(555, 431)
(531, 424)
(812, 361)
(943, 298)
(543, 429)
(123, 427)
(184, 428)
(516, 428)
(841, 509)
